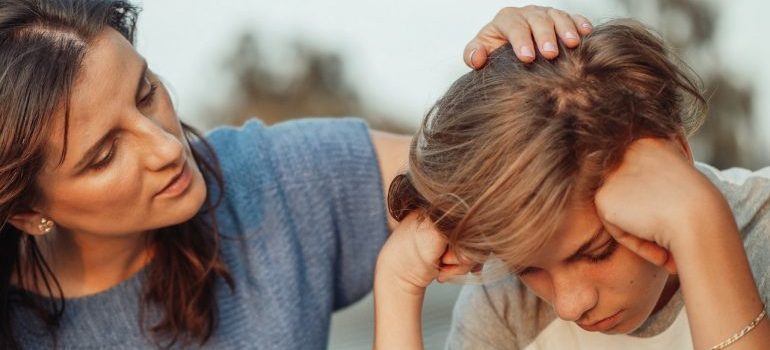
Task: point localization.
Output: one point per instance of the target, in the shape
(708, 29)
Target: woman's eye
(605, 253)
(106, 159)
(148, 98)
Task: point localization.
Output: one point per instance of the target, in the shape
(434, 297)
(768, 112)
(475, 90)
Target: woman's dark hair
(42, 45)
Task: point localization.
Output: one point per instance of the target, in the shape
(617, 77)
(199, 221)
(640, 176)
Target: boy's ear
(31, 222)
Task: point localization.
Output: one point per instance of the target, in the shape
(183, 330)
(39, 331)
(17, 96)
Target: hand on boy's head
(653, 197)
(519, 25)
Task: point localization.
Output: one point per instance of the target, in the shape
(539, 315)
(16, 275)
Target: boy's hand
(416, 254)
(653, 201)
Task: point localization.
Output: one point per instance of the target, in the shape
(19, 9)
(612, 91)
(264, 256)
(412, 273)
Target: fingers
(506, 27)
(520, 26)
(542, 27)
(670, 264)
(451, 266)
(516, 29)
(449, 258)
(565, 27)
(583, 25)
(475, 55)
(647, 250)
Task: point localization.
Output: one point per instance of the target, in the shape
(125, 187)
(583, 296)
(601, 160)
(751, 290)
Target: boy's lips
(602, 325)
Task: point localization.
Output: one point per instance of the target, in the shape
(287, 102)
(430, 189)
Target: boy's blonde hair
(503, 152)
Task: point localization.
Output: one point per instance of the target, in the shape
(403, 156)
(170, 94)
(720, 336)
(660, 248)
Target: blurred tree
(316, 86)
(727, 138)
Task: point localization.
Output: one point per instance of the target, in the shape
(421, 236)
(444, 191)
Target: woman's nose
(573, 296)
(161, 147)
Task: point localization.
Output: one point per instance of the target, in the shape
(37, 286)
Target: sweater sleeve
(338, 158)
(321, 211)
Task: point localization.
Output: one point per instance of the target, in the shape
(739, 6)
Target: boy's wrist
(398, 310)
(389, 279)
(711, 216)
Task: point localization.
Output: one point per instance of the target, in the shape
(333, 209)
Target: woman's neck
(87, 264)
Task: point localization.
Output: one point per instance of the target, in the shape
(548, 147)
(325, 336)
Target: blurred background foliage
(318, 85)
(689, 26)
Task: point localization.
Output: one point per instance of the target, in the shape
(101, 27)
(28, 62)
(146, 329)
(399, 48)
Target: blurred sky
(400, 55)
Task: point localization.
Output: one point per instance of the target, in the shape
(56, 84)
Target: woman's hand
(518, 25)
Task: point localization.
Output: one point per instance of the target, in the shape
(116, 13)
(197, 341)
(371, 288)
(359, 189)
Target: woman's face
(127, 167)
(590, 279)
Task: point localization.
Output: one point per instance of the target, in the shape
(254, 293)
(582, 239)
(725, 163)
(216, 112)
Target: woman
(124, 229)
(576, 175)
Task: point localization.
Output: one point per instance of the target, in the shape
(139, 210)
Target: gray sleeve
(477, 323)
(756, 240)
(748, 194)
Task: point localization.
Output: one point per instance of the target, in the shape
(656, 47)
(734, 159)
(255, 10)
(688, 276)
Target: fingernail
(570, 35)
(470, 58)
(586, 25)
(549, 47)
(526, 52)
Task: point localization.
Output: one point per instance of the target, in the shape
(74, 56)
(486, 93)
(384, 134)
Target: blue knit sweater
(303, 202)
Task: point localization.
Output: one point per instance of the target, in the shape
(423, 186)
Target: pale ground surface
(353, 328)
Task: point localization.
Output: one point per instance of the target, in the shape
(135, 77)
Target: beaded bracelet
(742, 332)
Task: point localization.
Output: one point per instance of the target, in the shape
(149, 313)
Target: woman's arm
(392, 153)
(658, 205)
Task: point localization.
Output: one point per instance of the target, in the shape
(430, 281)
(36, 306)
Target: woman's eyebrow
(585, 246)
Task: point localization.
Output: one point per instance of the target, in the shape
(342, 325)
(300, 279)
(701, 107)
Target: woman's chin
(184, 207)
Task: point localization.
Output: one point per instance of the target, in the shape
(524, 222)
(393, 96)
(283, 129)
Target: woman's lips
(602, 325)
(178, 183)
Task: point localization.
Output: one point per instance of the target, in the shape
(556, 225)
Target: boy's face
(590, 279)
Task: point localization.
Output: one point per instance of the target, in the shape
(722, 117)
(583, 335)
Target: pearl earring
(46, 225)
